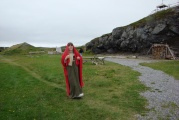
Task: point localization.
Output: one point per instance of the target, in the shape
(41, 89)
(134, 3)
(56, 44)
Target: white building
(58, 50)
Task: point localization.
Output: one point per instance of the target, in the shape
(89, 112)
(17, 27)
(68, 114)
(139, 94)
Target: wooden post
(171, 52)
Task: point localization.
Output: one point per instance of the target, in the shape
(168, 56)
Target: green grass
(170, 67)
(33, 87)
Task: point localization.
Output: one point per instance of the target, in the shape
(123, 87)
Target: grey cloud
(55, 22)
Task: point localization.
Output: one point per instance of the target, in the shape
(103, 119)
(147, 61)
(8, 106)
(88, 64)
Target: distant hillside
(23, 48)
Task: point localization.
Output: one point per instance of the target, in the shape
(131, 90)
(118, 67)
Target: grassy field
(169, 67)
(33, 87)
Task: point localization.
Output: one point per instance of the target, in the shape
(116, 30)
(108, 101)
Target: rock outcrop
(161, 27)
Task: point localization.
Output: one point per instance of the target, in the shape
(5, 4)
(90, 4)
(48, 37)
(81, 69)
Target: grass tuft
(169, 67)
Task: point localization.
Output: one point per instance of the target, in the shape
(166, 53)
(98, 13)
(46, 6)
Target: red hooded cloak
(79, 63)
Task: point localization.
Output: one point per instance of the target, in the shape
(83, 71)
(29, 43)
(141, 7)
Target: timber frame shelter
(161, 51)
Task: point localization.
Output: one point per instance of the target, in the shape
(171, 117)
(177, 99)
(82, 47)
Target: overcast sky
(52, 23)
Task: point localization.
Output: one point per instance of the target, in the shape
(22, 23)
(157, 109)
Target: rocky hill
(161, 27)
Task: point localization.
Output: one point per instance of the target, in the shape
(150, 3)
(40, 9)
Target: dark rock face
(139, 36)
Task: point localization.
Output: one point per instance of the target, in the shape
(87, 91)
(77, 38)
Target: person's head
(70, 46)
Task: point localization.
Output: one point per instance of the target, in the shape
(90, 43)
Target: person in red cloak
(72, 64)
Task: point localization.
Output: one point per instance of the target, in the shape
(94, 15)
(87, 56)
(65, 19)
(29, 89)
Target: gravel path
(163, 97)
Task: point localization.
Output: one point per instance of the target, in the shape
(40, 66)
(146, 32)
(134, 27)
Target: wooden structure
(94, 60)
(161, 51)
(162, 6)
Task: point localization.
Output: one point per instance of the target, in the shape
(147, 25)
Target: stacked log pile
(161, 51)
